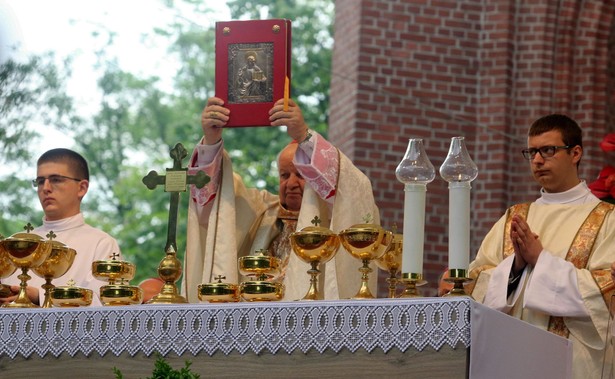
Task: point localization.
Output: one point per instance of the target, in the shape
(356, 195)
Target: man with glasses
(547, 262)
(62, 180)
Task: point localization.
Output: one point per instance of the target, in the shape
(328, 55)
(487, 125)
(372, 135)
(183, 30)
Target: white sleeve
(553, 288)
(497, 290)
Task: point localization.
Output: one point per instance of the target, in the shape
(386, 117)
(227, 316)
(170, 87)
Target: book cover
(252, 64)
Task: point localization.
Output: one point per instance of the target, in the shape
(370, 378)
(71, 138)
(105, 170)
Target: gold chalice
(314, 245)
(6, 269)
(57, 263)
(390, 262)
(70, 295)
(365, 242)
(118, 274)
(219, 292)
(25, 251)
(264, 269)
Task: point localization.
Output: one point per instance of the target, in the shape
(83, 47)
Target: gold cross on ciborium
(176, 180)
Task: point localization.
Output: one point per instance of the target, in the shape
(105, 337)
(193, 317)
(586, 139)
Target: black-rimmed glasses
(54, 180)
(544, 151)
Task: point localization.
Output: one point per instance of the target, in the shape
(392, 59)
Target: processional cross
(175, 181)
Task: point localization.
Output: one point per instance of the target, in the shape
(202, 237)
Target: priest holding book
(227, 220)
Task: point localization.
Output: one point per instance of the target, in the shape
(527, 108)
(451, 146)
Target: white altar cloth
(237, 327)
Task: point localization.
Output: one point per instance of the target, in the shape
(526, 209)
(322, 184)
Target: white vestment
(554, 287)
(91, 245)
(240, 223)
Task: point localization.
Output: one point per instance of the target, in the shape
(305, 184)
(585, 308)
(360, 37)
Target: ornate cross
(175, 181)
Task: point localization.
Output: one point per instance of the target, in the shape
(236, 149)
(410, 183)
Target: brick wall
(480, 69)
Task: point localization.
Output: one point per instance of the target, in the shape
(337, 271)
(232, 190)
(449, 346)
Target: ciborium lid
(259, 265)
(70, 295)
(113, 270)
(219, 292)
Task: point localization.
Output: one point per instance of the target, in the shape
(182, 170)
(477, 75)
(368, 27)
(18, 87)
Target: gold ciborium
(25, 251)
(390, 262)
(314, 245)
(118, 274)
(57, 263)
(70, 296)
(263, 268)
(219, 292)
(365, 242)
(6, 269)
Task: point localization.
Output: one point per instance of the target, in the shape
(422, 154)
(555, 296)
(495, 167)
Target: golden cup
(264, 268)
(118, 274)
(121, 294)
(219, 292)
(25, 251)
(7, 268)
(390, 262)
(70, 296)
(259, 265)
(57, 263)
(314, 245)
(262, 290)
(365, 242)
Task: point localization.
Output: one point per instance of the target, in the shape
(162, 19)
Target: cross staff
(175, 182)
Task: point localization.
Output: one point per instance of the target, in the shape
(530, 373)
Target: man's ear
(577, 153)
(84, 185)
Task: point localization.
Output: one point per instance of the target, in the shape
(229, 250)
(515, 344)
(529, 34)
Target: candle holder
(458, 170)
(415, 171)
(411, 281)
(458, 277)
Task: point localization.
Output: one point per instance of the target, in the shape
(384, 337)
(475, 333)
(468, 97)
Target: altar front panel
(427, 336)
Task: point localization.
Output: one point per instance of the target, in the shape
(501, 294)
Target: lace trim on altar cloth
(239, 327)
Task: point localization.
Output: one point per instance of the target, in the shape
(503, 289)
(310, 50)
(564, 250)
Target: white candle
(459, 225)
(414, 228)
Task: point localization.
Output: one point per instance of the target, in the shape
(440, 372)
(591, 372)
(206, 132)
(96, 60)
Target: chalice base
(47, 287)
(168, 295)
(313, 293)
(22, 300)
(364, 292)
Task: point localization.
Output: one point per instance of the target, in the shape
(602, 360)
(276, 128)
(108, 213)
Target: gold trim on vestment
(520, 210)
(579, 253)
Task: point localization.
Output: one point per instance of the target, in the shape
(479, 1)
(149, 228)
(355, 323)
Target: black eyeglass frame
(40, 180)
(544, 151)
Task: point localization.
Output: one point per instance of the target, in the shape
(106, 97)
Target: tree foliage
(32, 96)
(140, 119)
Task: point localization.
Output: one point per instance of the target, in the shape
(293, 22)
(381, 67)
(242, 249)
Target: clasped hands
(526, 244)
(215, 116)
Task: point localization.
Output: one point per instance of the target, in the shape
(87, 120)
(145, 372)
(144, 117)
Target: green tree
(139, 120)
(31, 93)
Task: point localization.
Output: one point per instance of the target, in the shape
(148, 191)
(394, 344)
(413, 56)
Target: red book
(252, 64)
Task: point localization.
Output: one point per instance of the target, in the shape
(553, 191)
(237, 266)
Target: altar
(424, 337)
